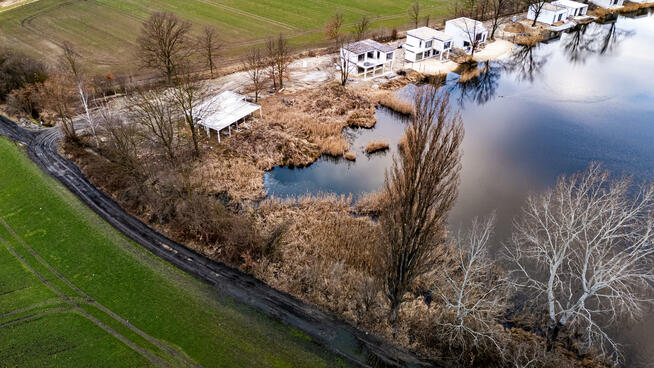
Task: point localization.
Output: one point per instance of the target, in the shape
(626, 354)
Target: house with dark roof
(367, 58)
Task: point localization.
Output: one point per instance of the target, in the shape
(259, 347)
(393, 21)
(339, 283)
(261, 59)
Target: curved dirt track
(336, 335)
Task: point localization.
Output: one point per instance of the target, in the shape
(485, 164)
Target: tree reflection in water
(526, 62)
(480, 85)
(591, 39)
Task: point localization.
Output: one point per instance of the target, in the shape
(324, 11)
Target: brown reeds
(396, 103)
(377, 145)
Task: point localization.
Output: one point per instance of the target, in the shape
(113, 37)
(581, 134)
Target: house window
(466, 43)
(371, 54)
(360, 70)
(560, 16)
(419, 56)
(361, 57)
(478, 37)
(446, 46)
(428, 44)
(389, 56)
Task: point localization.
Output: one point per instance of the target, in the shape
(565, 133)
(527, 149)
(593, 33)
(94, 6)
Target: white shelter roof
(226, 109)
(570, 4)
(427, 33)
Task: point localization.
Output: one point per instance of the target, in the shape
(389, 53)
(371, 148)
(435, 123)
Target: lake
(534, 115)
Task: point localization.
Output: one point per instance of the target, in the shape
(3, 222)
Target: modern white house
(224, 110)
(424, 43)
(575, 9)
(368, 58)
(608, 4)
(550, 13)
(466, 32)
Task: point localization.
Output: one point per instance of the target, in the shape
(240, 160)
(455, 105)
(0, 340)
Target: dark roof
(361, 47)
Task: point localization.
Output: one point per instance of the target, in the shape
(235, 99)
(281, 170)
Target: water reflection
(591, 39)
(477, 83)
(526, 62)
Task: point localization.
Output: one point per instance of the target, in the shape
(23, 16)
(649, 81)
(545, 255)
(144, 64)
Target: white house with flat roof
(550, 13)
(608, 4)
(575, 9)
(368, 58)
(424, 43)
(466, 33)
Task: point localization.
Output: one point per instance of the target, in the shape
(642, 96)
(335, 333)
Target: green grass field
(76, 293)
(104, 31)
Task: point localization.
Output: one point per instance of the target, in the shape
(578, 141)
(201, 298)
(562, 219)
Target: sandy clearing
(494, 50)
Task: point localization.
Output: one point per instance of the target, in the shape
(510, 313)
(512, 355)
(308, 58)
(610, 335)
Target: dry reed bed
(602, 13)
(291, 133)
(377, 145)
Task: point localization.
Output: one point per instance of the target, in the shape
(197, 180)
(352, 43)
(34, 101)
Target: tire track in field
(146, 354)
(176, 356)
(250, 15)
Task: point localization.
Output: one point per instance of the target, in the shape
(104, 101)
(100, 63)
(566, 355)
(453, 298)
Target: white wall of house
(575, 9)
(547, 16)
(461, 35)
(608, 4)
(416, 49)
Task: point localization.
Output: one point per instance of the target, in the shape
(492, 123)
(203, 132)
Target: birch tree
(585, 249)
(74, 67)
(420, 189)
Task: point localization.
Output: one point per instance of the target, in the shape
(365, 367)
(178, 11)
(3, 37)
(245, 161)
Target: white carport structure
(225, 110)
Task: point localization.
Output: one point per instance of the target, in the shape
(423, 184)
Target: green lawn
(104, 31)
(60, 265)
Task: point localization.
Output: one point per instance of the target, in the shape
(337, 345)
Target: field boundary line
(250, 15)
(146, 354)
(175, 355)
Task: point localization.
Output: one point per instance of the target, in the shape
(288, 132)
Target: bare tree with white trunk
(70, 61)
(474, 293)
(586, 249)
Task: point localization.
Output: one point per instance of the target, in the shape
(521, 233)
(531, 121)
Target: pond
(538, 113)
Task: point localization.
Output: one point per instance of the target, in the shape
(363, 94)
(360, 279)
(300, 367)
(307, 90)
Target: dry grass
(351, 156)
(396, 103)
(376, 146)
(602, 13)
(294, 135)
(514, 27)
(530, 39)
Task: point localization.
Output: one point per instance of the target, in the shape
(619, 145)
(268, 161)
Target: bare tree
(75, 69)
(474, 293)
(255, 65)
(58, 96)
(420, 189)
(414, 13)
(333, 27)
(361, 28)
(155, 111)
(344, 60)
(471, 29)
(585, 249)
(124, 139)
(191, 96)
(210, 45)
(498, 8)
(279, 56)
(537, 7)
(164, 43)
